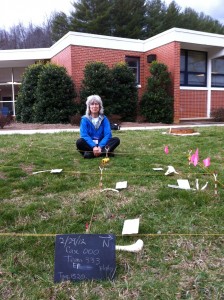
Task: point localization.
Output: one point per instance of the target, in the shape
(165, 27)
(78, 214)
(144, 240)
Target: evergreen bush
(46, 95)
(116, 87)
(27, 95)
(124, 96)
(97, 81)
(157, 103)
(55, 95)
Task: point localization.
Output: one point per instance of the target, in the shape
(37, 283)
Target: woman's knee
(117, 140)
(79, 143)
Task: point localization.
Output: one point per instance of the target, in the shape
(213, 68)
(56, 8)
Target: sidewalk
(124, 126)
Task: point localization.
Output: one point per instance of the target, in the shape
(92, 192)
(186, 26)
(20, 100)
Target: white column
(209, 83)
(13, 94)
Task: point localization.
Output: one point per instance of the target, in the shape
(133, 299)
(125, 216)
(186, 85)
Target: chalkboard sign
(84, 256)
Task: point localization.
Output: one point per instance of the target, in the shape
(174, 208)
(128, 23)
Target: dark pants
(83, 147)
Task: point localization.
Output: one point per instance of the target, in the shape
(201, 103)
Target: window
(193, 68)
(10, 81)
(134, 65)
(218, 72)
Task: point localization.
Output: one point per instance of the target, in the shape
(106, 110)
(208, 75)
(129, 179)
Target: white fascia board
(158, 40)
(116, 43)
(96, 41)
(25, 54)
(184, 35)
(216, 54)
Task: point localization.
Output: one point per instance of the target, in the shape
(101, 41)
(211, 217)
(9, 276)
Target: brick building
(195, 60)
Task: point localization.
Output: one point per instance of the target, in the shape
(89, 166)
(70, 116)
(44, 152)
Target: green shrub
(156, 107)
(97, 81)
(157, 104)
(27, 95)
(124, 92)
(116, 87)
(55, 96)
(46, 95)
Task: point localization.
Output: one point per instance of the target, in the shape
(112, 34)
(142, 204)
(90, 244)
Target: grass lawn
(182, 230)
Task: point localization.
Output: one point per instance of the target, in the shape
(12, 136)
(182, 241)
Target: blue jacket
(90, 134)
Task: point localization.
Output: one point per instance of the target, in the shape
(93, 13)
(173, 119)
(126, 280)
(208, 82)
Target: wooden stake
(216, 183)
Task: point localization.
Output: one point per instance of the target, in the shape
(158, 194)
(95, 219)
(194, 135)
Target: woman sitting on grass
(95, 131)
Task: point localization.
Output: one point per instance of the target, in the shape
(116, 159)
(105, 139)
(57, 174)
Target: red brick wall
(64, 58)
(217, 99)
(193, 104)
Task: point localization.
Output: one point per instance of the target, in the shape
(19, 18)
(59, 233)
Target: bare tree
(21, 37)
(4, 39)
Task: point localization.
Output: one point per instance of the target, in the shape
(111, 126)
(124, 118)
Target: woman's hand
(96, 151)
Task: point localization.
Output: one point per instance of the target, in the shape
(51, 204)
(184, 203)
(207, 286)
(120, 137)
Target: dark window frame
(186, 73)
(136, 59)
(219, 74)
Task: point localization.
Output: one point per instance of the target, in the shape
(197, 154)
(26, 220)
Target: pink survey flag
(166, 149)
(206, 162)
(195, 158)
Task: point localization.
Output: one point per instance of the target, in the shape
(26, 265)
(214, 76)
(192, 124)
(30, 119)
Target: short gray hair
(91, 99)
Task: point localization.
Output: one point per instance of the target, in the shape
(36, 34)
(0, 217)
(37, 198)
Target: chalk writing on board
(84, 256)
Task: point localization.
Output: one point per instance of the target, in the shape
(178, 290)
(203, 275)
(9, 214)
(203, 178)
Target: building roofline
(116, 43)
(95, 40)
(25, 54)
(184, 36)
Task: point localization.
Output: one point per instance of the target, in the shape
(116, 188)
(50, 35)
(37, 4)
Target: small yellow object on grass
(105, 160)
